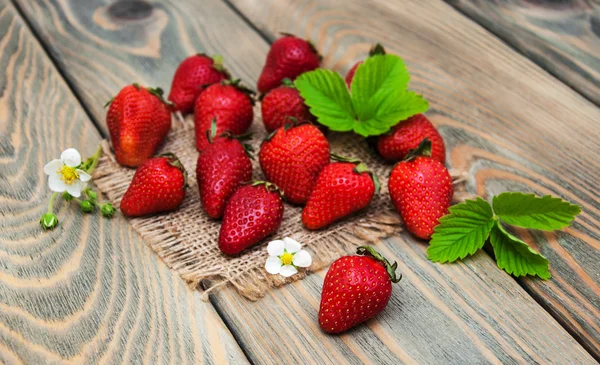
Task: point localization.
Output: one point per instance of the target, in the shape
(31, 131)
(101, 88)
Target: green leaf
(379, 78)
(529, 211)
(515, 256)
(461, 232)
(400, 107)
(325, 92)
(379, 97)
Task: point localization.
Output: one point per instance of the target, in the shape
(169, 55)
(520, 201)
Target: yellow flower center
(287, 258)
(69, 174)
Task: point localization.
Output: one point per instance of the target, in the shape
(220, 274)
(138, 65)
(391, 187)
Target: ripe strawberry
(230, 103)
(222, 167)
(192, 76)
(293, 158)
(289, 57)
(281, 104)
(157, 186)
(138, 121)
(252, 213)
(375, 49)
(356, 288)
(341, 189)
(421, 190)
(406, 136)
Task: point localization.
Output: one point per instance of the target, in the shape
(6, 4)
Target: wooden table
(514, 88)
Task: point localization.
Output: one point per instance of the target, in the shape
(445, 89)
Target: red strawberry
(421, 190)
(376, 49)
(341, 189)
(192, 76)
(157, 186)
(222, 167)
(293, 158)
(138, 121)
(252, 213)
(289, 57)
(406, 136)
(356, 288)
(281, 103)
(230, 103)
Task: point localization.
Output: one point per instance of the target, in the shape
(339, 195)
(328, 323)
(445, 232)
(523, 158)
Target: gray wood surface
(89, 291)
(461, 310)
(562, 37)
(506, 121)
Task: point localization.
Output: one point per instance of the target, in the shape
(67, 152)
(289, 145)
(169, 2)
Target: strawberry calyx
(159, 93)
(377, 49)
(360, 168)
(241, 87)
(219, 66)
(211, 134)
(272, 188)
(424, 149)
(288, 83)
(294, 122)
(174, 161)
(390, 268)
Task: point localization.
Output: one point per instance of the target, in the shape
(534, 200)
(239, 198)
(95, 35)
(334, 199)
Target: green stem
(51, 202)
(95, 157)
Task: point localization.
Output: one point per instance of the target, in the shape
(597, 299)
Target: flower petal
(275, 248)
(291, 245)
(302, 259)
(56, 184)
(74, 189)
(273, 265)
(83, 176)
(288, 270)
(71, 157)
(52, 167)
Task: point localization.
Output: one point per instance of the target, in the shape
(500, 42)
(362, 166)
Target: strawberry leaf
(325, 92)
(379, 97)
(461, 232)
(515, 256)
(529, 211)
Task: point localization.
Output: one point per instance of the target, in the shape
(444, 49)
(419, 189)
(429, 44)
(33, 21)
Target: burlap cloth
(186, 240)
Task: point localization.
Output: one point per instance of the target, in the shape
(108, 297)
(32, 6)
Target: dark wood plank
(89, 291)
(506, 121)
(563, 37)
(281, 328)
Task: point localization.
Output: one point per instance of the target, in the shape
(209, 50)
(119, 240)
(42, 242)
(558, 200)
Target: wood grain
(438, 314)
(90, 291)
(505, 121)
(281, 328)
(563, 37)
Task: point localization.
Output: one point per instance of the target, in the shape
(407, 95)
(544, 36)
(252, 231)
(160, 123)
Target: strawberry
(138, 120)
(289, 57)
(281, 104)
(158, 185)
(252, 213)
(421, 190)
(406, 136)
(293, 157)
(376, 49)
(342, 188)
(222, 167)
(356, 288)
(192, 76)
(230, 103)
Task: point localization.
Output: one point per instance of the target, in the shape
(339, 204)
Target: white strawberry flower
(64, 174)
(286, 256)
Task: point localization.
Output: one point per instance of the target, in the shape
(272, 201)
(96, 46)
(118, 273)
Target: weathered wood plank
(562, 37)
(282, 327)
(89, 291)
(505, 120)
